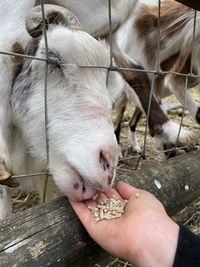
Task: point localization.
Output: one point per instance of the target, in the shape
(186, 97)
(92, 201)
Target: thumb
(126, 190)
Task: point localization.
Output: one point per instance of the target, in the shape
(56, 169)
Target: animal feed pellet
(108, 209)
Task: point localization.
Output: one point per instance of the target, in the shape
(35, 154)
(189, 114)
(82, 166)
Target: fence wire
(155, 72)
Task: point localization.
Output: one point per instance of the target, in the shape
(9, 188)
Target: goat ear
(53, 15)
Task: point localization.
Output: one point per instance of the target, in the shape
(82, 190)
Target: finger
(112, 192)
(126, 190)
(82, 211)
(88, 220)
(93, 202)
(101, 196)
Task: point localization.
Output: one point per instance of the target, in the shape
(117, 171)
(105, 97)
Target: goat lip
(83, 184)
(88, 191)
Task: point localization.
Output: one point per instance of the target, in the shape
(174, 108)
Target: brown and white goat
(96, 23)
(139, 38)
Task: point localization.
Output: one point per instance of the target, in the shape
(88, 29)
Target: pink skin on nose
(106, 165)
(87, 191)
(85, 187)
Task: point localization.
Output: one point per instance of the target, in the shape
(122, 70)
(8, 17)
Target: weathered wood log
(191, 3)
(175, 182)
(51, 234)
(47, 235)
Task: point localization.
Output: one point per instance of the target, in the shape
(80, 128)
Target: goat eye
(54, 60)
(53, 55)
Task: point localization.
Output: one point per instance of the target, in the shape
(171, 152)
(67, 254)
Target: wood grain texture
(179, 178)
(48, 235)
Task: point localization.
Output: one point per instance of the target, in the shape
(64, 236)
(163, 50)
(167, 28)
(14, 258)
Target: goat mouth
(89, 190)
(85, 187)
(87, 183)
(83, 184)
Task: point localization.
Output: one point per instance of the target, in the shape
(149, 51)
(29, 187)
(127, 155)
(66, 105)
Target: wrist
(158, 248)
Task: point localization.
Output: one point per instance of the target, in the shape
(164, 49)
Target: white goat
(83, 151)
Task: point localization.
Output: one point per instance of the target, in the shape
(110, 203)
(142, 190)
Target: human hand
(144, 235)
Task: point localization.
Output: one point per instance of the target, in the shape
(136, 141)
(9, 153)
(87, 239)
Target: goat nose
(107, 163)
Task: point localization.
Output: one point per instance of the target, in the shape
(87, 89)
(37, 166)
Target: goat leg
(161, 128)
(132, 126)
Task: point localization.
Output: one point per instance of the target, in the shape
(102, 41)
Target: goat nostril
(103, 161)
(76, 186)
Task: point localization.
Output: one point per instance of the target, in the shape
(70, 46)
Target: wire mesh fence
(155, 73)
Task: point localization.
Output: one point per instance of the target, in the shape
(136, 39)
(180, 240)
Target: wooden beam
(191, 3)
(51, 234)
(47, 235)
(175, 182)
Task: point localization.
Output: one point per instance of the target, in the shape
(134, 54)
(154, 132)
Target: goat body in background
(161, 128)
(138, 37)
